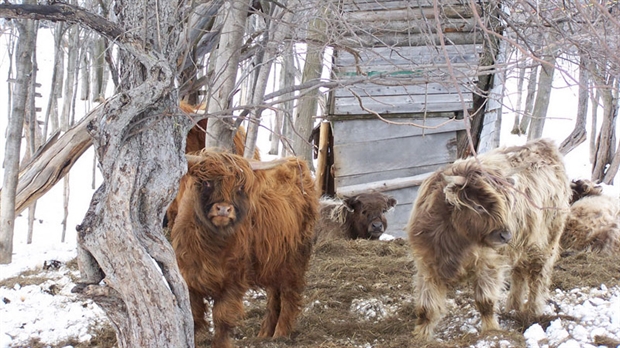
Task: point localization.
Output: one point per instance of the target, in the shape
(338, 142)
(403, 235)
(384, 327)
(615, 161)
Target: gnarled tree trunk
(128, 266)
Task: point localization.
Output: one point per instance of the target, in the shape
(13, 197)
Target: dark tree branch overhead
(62, 12)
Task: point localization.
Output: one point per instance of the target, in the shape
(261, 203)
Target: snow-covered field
(49, 312)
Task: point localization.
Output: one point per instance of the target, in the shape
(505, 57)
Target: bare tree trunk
(287, 107)
(31, 128)
(595, 97)
(219, 131)
(65, 206)
(85, 75)
(51, 114)
(98, 83)
(276, 133)
(579, 134)
(307, 107)
(518, 110)
(25, 47)
(539, 114)
(529, 99)
(606, 139)
(128, 265)
(69, 89)
(612, 171)
(279, 28)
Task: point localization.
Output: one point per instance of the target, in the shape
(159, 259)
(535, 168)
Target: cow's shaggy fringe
(481, 216)
(238, 228)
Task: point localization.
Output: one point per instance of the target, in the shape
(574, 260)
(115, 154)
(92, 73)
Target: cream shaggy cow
(479, 217)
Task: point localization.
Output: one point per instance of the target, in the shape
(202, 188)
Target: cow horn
(454, 179)
(192, 159)
(259, 165)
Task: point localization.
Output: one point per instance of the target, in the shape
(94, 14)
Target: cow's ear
(455, 183)
(351, 203)
(391, 202)
(192, 160)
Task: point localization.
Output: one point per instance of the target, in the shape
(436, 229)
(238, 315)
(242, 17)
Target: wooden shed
(409, 73)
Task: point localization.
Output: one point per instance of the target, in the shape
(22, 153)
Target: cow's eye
(479, 208)
(241, 188)
(206, 185)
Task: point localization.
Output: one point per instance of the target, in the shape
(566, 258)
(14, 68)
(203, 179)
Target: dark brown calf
(360, 216)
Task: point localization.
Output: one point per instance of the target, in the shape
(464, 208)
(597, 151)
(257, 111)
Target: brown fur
(196, 142)
(594, 220)
(360, 216)
(584, 188)
(238, 228)
(482, 216)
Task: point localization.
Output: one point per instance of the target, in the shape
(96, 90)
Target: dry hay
(359, 294)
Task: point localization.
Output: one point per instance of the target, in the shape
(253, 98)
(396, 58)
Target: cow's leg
(541, 268)
(291, 302)
(227, 311)
(430, 304)
(198, 310)
(268, 326)
(518, 288)
(488, 282)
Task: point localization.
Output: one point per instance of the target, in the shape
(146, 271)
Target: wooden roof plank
(363, 131)
(406, 55)
(402, 104)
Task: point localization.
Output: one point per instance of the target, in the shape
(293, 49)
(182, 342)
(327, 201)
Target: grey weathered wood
(402, 104)
(373, 5)
(362, 178)
(430, 72)
(406, 55)
(417, 26)
(390, 154)
(370, 131)
(406, 39)
(369, 89)
(383, 185)
(407, 13)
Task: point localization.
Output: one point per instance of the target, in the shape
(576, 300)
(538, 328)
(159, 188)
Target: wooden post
(322, 157)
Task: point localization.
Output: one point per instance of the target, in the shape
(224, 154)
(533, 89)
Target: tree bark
(25, 47)
(279, 28)
(220, 129)
(529, 99)
(307, 106)
(129, 265)
(287, 107)
(518, 110)
(51, 114)
(606, 138)
(541, 105)
(579, 133)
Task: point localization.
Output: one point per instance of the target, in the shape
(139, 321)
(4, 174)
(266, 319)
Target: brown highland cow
(240, 227)
(196, 142)
(503, 210)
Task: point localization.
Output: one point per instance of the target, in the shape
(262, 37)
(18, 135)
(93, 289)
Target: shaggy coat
(594, 220)
(482, 216)
(196, 142)
(360, 216)
(239, 228)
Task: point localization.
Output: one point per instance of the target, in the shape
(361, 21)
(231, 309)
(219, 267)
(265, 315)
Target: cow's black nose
(377, 226)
